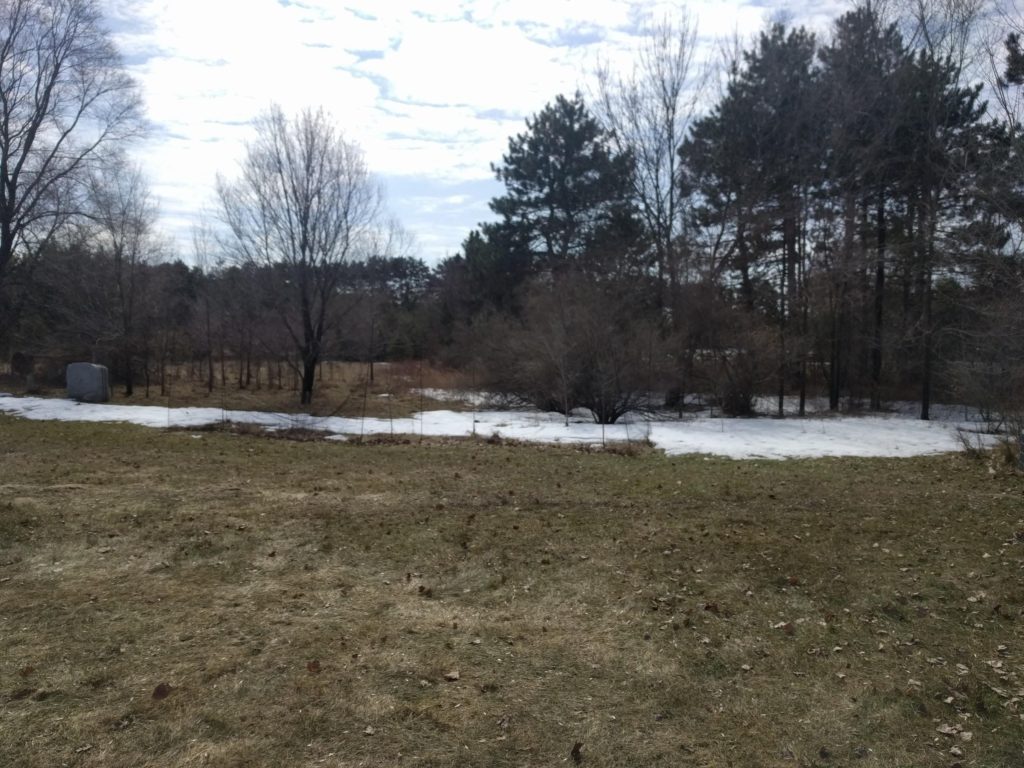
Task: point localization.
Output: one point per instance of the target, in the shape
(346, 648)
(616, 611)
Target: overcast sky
(431, 90)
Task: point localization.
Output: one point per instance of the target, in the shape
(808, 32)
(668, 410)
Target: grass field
(215, 599)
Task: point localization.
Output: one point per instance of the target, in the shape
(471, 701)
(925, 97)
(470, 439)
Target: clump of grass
(1008, 452)
(973, 444)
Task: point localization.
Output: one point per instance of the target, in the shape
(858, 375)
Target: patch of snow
(891, 435)
(454, 395)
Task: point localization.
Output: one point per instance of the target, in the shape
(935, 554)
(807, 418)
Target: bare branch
(305, 203)
(64, 100)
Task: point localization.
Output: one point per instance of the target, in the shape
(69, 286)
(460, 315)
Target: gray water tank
(88, 382)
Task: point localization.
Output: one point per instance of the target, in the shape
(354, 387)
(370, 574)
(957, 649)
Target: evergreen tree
(937, 136)
(566, 189)
(753, 160)
(861, 96)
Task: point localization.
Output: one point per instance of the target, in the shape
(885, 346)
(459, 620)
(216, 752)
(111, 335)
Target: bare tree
(947, 30)
(207, 262)
(649, 110)
(304, 203)
(1000, 31)
(64, 100)
(124, 216)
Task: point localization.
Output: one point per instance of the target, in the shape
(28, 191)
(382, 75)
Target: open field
(216, 599)
(342, 389)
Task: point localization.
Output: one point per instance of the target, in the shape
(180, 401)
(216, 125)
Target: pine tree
(565, 188)
(860, 93)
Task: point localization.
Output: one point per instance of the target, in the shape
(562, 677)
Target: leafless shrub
(576, 346)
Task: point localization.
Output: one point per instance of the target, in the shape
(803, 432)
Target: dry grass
(303, 602)
(342, 389)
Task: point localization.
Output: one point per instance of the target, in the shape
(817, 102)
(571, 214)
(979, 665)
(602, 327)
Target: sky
(430, 90)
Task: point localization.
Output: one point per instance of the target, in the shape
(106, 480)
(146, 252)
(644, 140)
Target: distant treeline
(844, 220)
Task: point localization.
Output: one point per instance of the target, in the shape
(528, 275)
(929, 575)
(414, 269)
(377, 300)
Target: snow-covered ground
(893, 435)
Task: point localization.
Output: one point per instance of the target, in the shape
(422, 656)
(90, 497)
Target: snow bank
(895, 435)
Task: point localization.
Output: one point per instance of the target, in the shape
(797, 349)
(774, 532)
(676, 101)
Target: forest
(809, 214)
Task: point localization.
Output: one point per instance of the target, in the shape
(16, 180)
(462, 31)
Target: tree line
(834, 215)
(844, 220)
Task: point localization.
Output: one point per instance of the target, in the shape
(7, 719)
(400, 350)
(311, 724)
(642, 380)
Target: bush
(575, 346)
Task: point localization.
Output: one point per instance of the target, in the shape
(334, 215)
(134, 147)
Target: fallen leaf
(162, 691)
(313, 667)
(785, 626)
(576, 754)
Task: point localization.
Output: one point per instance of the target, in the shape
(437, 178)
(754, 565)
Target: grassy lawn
(211, 599)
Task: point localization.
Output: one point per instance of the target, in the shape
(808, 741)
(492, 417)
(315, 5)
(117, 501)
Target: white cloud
(431, 89)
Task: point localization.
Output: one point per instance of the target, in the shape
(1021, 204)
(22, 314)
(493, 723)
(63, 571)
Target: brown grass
(301, 603)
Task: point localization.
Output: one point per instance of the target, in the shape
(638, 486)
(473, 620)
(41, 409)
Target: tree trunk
(839, 349)
(803, 387)
(746, 286)
(785, 304)
(926, 343)
(309, 370)
(798, 299)
(129, 375)
(782, 373)
(834, 372)
(928, 253)
(240, 354)
(876, 341)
